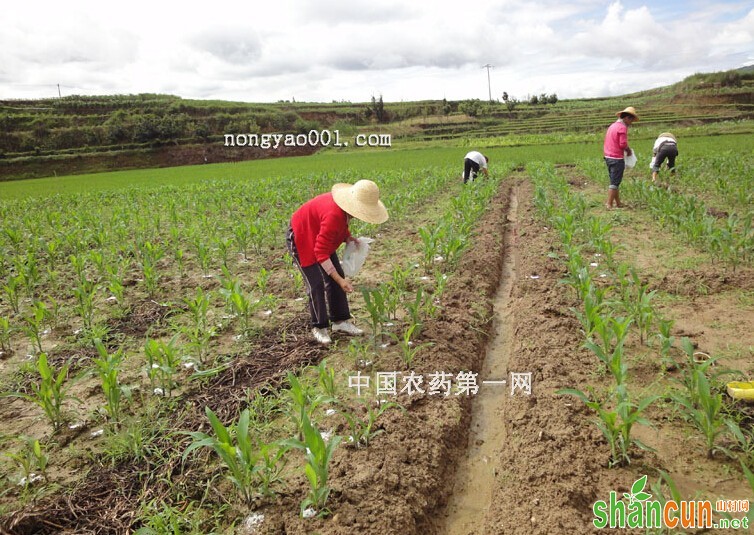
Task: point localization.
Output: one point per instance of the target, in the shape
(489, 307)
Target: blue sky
(336, 50)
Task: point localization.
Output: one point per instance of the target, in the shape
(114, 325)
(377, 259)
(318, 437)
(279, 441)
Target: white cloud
(325, 50)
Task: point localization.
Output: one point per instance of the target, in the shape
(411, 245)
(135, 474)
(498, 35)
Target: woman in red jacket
(317, 229)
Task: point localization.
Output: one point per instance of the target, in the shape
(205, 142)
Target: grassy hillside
(77, 134)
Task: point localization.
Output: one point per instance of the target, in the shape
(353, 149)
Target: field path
(476, 472)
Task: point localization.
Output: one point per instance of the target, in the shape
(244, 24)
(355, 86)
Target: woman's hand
(344, 283)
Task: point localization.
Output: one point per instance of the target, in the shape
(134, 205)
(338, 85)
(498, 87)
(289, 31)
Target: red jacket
(319, 227)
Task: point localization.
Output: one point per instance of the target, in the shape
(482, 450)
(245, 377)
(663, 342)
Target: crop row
(730, 238)
(255, 448)
(613, 302)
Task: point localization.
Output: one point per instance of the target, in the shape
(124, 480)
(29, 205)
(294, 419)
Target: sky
(328, 50)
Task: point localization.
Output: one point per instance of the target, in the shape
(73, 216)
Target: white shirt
(661, 140)
(478, 158)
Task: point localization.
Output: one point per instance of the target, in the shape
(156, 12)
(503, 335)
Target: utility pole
(489, 86)
(59, 96)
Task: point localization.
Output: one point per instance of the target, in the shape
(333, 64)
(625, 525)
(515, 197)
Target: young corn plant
(666, 340)
(431, 242)
(32, 461)
(362, 430)
(612, 356)
(50, 392)
(302, 401)
(246, 463)
(34, 323)
(317, 466)
(410, 349)
(703, 408)
(616, 424)
(244, 307)
(163, 363)
(200, 332)
(375, 304)
(107, 367)
(11, 292)
(326, 379)
(6, 333)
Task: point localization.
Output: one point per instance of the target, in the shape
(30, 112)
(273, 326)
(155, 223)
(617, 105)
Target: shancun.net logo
(636, 509)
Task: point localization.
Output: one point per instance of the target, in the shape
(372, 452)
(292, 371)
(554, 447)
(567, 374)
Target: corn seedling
(11, 292)
(244, 308)
(703, 408)
(242, 459)
(744, 441)
(358, 352)
(431, 243)
(375, 304)
(6, 332)
(84, 307)
(107, 367)
(34, 324)
(317, 467)
(610, 355)
(362, 430)
(410, 349)
(32, 461)
(201, 332)
(162, 518)
(50, 392)
(414, 309)
(326, 379)
(666, 341)
(616, 424)
(162, 364)
(303, 400)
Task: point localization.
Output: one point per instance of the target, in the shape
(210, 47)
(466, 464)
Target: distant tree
(446, 107)
(378, 108)
(552, 99)
(510, 103)
(534, 100)
(471, 107)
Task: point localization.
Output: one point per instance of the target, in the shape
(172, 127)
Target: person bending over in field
(473, 162)
(665, 147)
(615, 150)
(316, 231)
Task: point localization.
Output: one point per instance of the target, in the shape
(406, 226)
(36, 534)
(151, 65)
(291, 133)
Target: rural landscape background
(157, 371)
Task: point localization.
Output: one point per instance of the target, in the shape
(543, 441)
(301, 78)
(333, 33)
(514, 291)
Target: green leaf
(639, 485)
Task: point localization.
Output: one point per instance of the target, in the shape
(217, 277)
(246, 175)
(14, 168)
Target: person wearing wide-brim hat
(317, 229)
(665, 146)
(615, 150)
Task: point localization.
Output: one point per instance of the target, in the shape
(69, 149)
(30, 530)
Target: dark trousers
(669, 151)
(323, 292)
(470, 169)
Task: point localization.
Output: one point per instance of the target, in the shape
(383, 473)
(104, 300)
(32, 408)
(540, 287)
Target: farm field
(158, 375)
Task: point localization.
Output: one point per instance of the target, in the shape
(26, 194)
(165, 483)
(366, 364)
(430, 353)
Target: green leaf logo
(637, 491)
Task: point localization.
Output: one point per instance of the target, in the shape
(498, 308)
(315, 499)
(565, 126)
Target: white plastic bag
(630, 159)
(354, 256)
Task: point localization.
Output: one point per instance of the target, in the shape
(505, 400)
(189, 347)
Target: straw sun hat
(630, 110)
(361, 200)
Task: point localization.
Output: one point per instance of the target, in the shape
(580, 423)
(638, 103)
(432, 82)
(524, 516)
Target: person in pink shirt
(615, 150)
(316, 231)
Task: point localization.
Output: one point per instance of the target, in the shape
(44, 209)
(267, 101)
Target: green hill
(80, 134)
